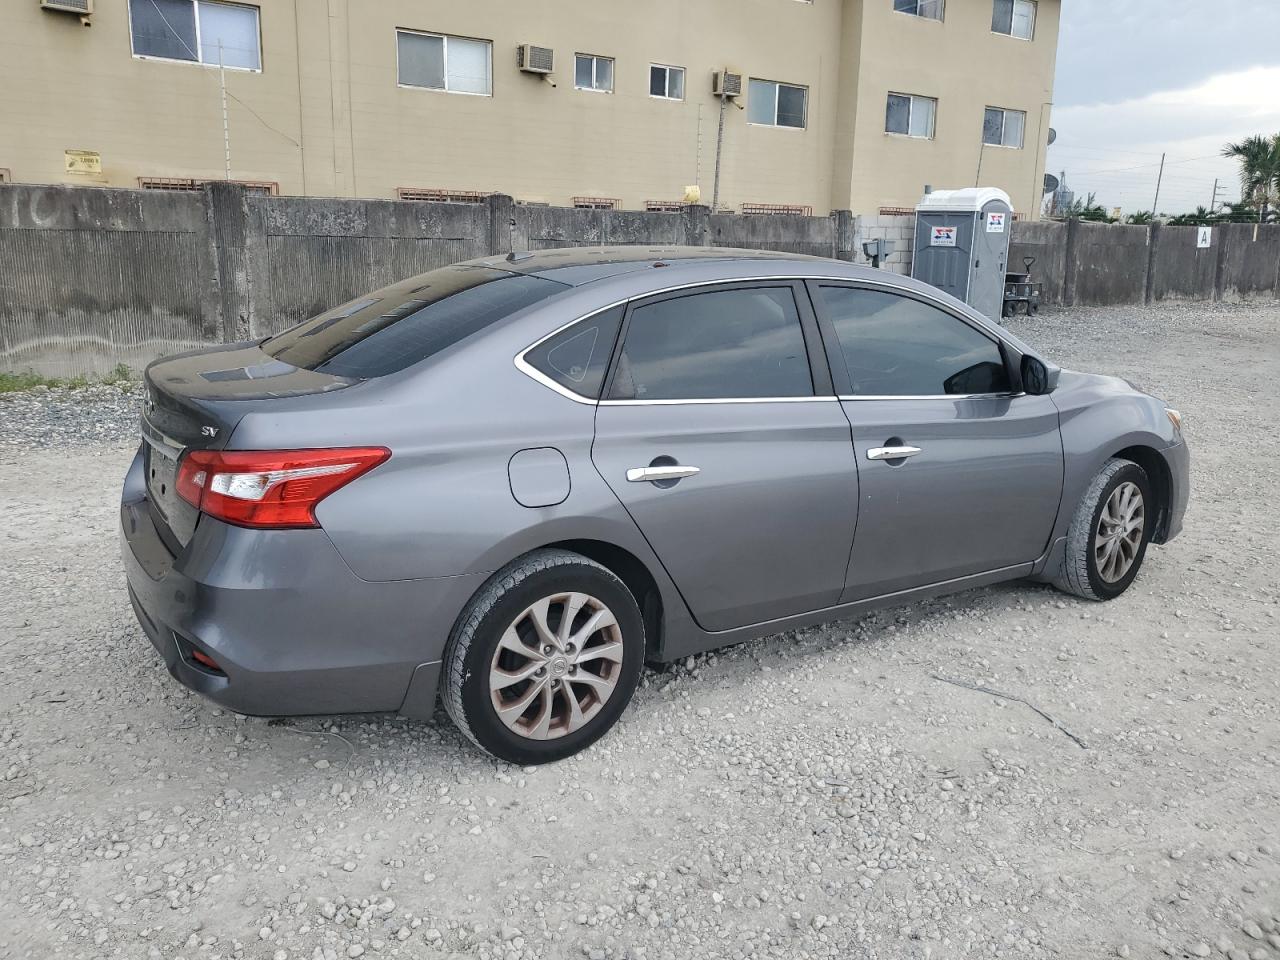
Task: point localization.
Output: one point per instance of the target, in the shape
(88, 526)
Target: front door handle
(891, 453)
(675, 471)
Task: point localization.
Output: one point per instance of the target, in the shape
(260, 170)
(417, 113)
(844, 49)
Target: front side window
(724, 344)
(407, 322)
(898, 347)
(928, 9)
(666, 82)
(440, 62)
(776, 104)
(1003, 128)
(1016, 18)
(910, 115)
(576, 358)
(593, 73)
(198, 31)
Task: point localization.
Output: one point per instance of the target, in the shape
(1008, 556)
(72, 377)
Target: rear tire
(1109, 532)
(525, 685)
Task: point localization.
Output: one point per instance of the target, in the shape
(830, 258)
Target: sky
(1142, 77)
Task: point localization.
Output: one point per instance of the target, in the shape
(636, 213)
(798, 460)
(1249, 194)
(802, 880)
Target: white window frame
(942, 11)
(197, 62)
(1004, 120)
(913, 97)
(668, 67)
(776, 84)
(1035, 17)
(595, 59)
(446, 37)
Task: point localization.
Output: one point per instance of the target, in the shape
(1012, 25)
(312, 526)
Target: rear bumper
(293, 630)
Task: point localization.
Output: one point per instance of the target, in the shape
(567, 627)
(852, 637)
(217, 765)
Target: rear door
(720, 435)
(959, 473)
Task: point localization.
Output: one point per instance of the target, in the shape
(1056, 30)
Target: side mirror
(1038, 377)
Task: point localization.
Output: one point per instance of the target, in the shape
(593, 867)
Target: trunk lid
(194, 402)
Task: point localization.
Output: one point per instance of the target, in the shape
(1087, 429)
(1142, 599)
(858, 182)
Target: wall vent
(426, 195)
(597, 203)
(776, 209)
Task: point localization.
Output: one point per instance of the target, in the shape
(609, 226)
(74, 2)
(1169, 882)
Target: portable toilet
(962, 245)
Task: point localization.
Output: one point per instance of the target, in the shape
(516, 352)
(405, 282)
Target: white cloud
(1113, 149)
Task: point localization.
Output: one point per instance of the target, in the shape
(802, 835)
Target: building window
(1003, 128)
(910, 115)
(928, 9)
(775, 104)
(438, 62)
(593, 73)
(666, 82)
(197, 31)
(1015, 18)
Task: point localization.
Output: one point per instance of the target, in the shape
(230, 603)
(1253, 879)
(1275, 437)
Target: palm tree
(1259, 158)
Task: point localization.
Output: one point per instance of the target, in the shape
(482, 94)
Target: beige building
(853, 104)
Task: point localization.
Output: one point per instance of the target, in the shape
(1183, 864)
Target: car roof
(578, 265)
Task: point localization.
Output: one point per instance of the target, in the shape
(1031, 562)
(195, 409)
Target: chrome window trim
(931, 396)
(537, 376)
(693, 400)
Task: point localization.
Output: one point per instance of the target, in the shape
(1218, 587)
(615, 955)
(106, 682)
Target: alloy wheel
(1119, 535)
(556, 665)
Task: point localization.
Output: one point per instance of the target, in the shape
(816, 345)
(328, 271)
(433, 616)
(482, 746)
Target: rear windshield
(388, 330)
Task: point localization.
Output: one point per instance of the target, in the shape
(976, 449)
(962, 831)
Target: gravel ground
(816, 794)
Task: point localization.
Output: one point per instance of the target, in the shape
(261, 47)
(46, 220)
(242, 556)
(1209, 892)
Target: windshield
(407, 322)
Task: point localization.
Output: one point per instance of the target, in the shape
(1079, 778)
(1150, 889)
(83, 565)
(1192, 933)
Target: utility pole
(1155, 204)
(1214, 202)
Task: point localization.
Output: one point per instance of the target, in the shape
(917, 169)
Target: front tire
(1109, 532)
(544, 659)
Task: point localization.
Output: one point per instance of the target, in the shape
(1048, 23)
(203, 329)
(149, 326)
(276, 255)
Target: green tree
(1198, 219)
(1142, 217)
(1259, 158)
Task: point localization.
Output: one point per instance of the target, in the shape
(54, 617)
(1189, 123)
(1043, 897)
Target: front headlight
(1174, 417)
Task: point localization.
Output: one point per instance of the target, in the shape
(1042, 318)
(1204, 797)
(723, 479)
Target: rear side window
(577, 357)
(408, 322)
(898, 347)
(717, 345)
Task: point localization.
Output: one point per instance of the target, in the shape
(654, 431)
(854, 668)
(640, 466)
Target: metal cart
(1021, 291)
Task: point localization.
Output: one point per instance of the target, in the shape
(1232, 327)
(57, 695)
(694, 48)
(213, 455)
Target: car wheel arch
(1161, 480)
(634, 574)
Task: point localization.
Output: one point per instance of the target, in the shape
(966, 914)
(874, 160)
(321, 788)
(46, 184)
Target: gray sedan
(506, 484)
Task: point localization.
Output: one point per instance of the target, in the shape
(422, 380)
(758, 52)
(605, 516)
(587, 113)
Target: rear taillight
(270, 488)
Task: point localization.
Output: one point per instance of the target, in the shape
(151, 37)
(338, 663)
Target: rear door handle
(891, 453)
(672, 472)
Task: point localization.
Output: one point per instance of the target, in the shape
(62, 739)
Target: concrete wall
(1106, 263)
(1047, 242)
(1099, 264)
(901, 230)
(90, 278)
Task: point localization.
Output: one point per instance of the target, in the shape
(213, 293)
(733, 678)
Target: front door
(958, 475)
(737, 471)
